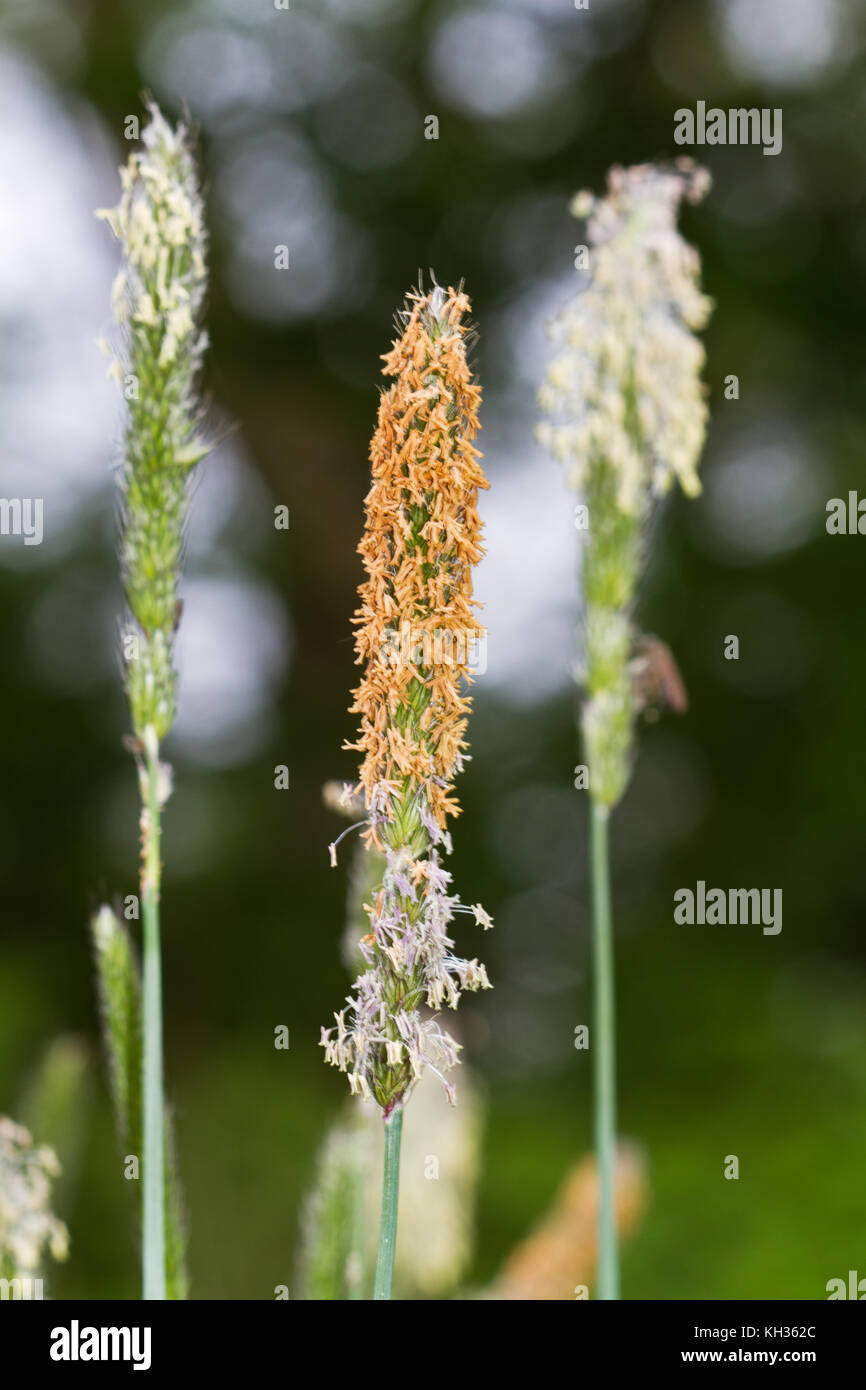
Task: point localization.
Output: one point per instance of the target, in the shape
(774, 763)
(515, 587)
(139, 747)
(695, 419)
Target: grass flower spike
(627, 417)
(417, 635)
(157, 299)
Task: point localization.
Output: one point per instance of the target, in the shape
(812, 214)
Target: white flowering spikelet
(627, 417)
(28, 1228)
(157, 300)
(626, 386)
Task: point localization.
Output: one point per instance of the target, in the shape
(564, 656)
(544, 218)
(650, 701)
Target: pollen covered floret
(28, 1227)
(626, 384)
(417, 627)
(157, 300)
(417, 632)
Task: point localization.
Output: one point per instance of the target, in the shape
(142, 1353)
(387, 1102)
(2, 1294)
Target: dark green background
(730, 1042)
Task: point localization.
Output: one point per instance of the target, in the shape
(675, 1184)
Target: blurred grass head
(626, 416)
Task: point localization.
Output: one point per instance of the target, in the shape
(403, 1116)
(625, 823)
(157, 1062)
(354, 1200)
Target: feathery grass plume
(28, 1228)
(560, 1254)
(627, 417)
(119, 983)
(417, 632)
(157, 298)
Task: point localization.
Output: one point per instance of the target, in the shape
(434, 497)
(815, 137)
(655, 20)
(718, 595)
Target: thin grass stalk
(604, 1052)
(153, 1177)
(390, 1203)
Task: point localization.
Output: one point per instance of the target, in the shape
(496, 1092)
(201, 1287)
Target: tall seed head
(157, 299)
(627, 417)
(416, 625)
(417, 632)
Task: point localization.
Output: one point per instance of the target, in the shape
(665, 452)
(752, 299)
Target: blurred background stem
(357, 1235)
(604, 1053)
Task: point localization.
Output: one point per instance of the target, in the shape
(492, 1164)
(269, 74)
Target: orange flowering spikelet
(418, 638)
(418, 631)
